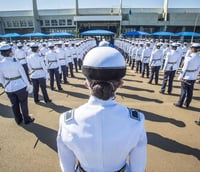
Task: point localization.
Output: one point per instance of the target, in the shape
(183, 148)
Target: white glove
(29, 89)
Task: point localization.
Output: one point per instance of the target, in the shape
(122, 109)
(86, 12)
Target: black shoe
(60, 89)
(53, 88)
(161, 92)
(177, 105)
(169, 93)
(30, 120)
(197, 122)
(37, 101)
(66, 82)
(19, 122)
(48, 101)
(186, 105)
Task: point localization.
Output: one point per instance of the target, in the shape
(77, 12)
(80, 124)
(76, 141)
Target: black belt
(11, 79)
(37, 68)
(22, 59)
(191, 70)
(82, 170)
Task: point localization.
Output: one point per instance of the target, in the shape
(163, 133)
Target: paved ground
(173, 137)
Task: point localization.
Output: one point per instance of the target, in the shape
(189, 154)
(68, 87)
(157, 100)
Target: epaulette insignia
(69, 115)
(134, 114)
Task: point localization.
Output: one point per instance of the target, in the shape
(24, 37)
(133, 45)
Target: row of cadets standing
(38, 73)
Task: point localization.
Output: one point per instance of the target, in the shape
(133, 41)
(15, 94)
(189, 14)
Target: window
(23, 23)
(41, 23)
(69, 22)
(125, 17)
(15, 23)
(62, 22)
(30, 23)
(9, 24)
(47, 23)
(54, 22)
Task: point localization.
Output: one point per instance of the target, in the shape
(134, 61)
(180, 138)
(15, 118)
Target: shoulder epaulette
(134, 114)
(69, 115)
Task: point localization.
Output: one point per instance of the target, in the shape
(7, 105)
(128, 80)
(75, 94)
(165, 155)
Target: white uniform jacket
(101, 135)
(52, 60)
(61, 56)
(146, 54)
(12, 75)
(20, 55)
(37, 66)
(191, 67)
(156, 58)
(172, 61)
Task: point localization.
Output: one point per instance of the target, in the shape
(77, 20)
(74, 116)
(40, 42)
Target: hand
(29, 89)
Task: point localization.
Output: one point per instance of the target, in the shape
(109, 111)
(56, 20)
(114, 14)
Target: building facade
(118, 21)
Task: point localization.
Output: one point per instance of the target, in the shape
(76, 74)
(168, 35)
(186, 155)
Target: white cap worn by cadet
(51, 44)
(34, 45)
(5, 47)
(104, 43)
(174, 44)
(195, 45)
(104, 63)
(19, 44)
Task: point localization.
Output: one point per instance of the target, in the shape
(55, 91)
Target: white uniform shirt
(37, 66)
(11, 69)
(146, 54)
(156, 57)
(20, 55)
(52, 60)
(101, 135)
(191, 67)
(172, 61)
(61, 56)
(68, 54)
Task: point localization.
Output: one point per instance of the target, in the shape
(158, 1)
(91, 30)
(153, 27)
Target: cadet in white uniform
(188, 76)
(16, 85)
(39, 73)
(155, 62)
(53, 66)
(20, 55)
(102, 135)
(171, 65)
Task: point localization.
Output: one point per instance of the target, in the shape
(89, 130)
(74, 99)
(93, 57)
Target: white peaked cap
(51, 44)
(104, 63)
(5, 47)
(34, 45)
(104, 43)
(196, 45)
(19, 44)
(174, 44)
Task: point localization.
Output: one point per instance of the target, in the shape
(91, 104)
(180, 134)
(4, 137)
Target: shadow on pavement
(44, 134)
(157, 118)
(171, 145)
(137, 89)
(54, 107)
(136, 97)
(5, 111)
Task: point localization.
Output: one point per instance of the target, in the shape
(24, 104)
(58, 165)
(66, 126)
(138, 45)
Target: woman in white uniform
(102, 135)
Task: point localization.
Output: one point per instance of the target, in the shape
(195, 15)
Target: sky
(9, 5)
